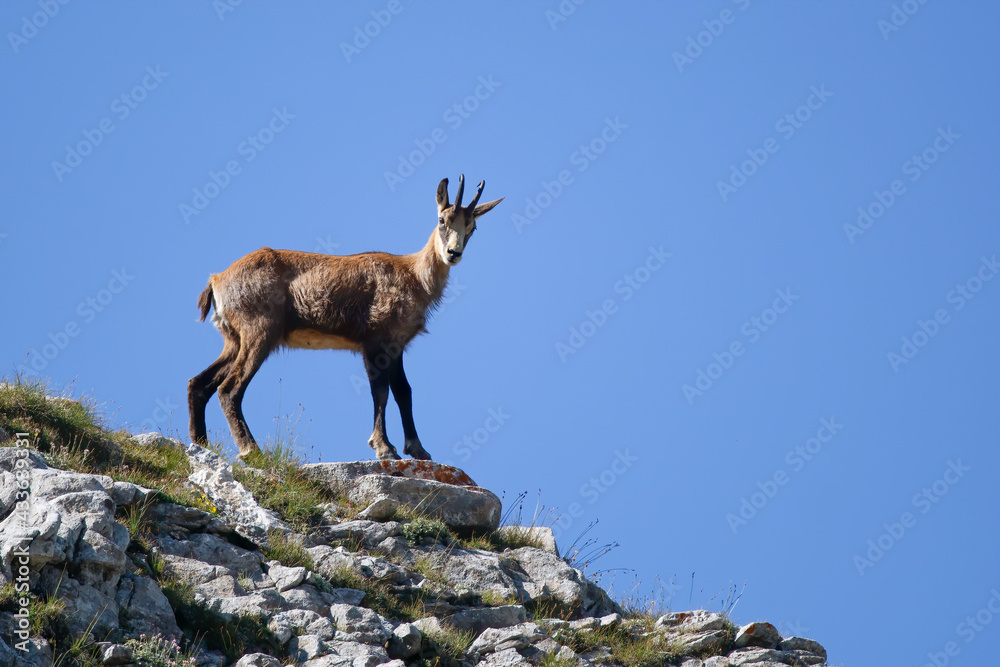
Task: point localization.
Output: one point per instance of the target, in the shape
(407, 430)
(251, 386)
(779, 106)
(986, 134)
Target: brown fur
(372, 303)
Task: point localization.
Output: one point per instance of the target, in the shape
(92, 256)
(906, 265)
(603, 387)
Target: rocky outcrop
(362, 591)
(424, 488)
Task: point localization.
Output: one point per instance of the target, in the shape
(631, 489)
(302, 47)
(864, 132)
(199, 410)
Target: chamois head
(456, 222)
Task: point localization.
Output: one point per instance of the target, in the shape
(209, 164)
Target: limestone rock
(763, 635)
(543, 577)
(257, 660)
(425, 487)
(145, 609)
(478, 619)
(405, 641)
(214, 476)
(801, 644)
(360, 624)
(541, 534)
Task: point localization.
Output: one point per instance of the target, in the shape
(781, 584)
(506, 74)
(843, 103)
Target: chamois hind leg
(378, 378)
(252, 354)
(404, 399)
(202, 386)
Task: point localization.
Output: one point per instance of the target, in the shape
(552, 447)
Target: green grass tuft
(287, 552)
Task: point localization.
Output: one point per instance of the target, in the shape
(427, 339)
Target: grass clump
(625, 648)
(67, 429)
(447, 646)
(276, 481)
(159, 652)
(73, 436)
(491, 598)
(287, 552)
(423, 529)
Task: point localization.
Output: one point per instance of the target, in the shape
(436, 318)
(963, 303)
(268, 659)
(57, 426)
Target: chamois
(371, 303)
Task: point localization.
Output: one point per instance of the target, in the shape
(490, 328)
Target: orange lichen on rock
(426, 470)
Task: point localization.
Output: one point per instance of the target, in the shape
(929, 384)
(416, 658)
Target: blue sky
(688, 328)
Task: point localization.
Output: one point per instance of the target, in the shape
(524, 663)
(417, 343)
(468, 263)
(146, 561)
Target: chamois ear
(442, 194)
(484, 208)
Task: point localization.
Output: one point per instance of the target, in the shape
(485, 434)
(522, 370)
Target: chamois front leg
(404, 399)
(379, 381)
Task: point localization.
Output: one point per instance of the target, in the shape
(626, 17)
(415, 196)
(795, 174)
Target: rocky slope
(404, 565)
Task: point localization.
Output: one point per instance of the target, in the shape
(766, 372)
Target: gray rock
(39, 654)
(478, 619)
(761, 657)
(427, 488)
(368, 533)
(505, 658)
(541, 534)
(116, 654)
(500, 639)
(301, 618)
(543, 577)
(712, 641)
(761, 634)
(306, 597)
(349, 596)
(210, 659)
(472, 571)
(382, 508)
(214, 476)
(360, 624)
(350, 654)
(145, 609)
(87, 609)
(213, 550)
(281, 627)
(611, 620)
(225, 586)
(801, 644)
(261, 604)
(257, 660)
(405, 641)
(322, 628)
(306, 647)
(154, 439)
(191, 570)
(698, 620)
(283, 577)
(4, 436)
